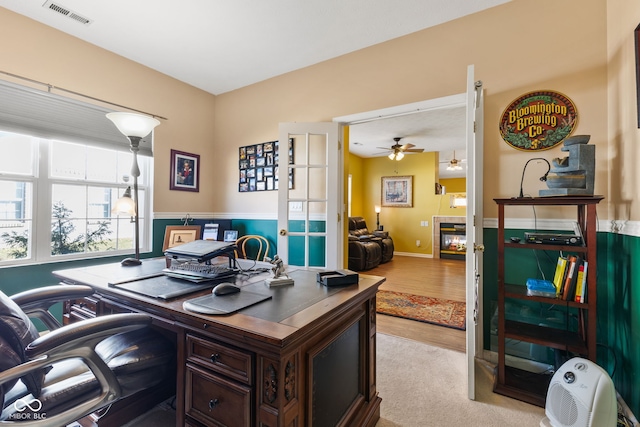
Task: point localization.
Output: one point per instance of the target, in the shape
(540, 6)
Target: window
(56, 199)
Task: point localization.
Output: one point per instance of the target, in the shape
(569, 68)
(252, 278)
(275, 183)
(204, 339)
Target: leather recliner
(76, 369)
(363, 254)
(358, 227)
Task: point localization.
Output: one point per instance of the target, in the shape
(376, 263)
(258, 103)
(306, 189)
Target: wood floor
(434, 277)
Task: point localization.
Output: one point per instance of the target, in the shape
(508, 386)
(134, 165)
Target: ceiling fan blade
(385, 148)
(405, 147)
(414, 150)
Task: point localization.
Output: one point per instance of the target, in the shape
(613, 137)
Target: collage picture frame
(258, 166)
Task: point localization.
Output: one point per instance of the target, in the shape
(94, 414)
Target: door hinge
(338, 218)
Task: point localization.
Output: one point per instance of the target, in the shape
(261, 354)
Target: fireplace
(453, 240)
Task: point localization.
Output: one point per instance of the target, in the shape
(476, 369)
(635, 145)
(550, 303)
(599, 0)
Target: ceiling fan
(397, 150)
(454, 164)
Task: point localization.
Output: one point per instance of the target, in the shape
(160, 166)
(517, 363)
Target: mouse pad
(162, 287)
(224, 304)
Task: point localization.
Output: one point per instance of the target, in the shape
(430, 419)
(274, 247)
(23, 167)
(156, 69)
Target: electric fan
(581, 394)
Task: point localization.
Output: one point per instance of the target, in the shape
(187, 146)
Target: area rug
(437, 311)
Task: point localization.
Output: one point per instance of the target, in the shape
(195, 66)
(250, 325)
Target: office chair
(252, 247)
(72, 371)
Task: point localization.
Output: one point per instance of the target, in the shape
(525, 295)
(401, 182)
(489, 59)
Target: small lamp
(543, 178)
(134, 127)
(377, 209)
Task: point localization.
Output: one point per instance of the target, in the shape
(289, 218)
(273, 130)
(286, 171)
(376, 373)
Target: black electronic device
(338, 277)
(553, 238)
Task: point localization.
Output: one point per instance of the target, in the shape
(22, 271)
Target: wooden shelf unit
(517, 383)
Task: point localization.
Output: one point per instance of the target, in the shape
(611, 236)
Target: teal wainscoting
(619, 314)
(618, 282)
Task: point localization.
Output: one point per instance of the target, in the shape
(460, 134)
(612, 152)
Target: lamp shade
(377, 209)
(125, 205)
(132, 124)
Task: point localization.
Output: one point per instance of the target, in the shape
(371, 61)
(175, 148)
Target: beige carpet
(423, 386)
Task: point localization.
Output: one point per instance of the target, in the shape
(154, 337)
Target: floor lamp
(135, 127)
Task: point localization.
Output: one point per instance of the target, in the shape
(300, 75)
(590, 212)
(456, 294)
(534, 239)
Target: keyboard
(196, 272)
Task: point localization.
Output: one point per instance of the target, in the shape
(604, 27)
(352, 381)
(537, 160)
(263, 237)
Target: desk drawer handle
(213, 403)
(215, 358)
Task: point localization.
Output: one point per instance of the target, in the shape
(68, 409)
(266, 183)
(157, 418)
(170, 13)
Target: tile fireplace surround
(436, 230)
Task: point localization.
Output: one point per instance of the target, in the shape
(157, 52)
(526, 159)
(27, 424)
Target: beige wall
(41, 53)
(517, 47)
(624, 151)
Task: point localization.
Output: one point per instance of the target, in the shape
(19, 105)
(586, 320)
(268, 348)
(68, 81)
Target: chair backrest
(358, 226)
(252, 247)
(16, 332)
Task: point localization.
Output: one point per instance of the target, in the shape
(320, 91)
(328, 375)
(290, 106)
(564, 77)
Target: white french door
(474, 222)
(309, 195)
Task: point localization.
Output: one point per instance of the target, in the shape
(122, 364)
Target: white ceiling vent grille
(66, 12)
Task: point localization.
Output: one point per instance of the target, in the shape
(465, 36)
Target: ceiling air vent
(66, 12)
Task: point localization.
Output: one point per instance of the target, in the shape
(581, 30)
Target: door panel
(474, 222)
(308, 220)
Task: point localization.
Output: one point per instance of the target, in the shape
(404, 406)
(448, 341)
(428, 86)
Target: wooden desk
(314, 367)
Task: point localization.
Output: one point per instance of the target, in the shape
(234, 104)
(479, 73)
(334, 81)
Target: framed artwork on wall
(258, 165)
(397, 191)
(185, 171)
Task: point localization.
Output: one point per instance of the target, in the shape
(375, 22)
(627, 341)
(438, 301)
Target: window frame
(42, 189)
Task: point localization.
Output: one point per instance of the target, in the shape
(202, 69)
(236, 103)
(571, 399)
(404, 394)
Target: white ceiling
(219, 46)
(441, 130)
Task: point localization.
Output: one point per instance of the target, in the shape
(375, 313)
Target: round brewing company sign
(538, 120)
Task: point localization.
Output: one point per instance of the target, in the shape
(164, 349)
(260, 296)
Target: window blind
(48, 115)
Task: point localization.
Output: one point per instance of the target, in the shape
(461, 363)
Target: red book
(572, 272)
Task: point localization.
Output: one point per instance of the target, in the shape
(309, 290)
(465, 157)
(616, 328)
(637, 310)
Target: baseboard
(518, 362)
(413, 254)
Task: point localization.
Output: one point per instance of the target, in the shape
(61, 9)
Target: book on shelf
(561, 267)
(570, 281)
(581, 286)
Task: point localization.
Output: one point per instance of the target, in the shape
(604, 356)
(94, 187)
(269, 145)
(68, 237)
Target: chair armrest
(86, 333)
(36, 303)
(78, 340)
(365, 237)
(383, 234)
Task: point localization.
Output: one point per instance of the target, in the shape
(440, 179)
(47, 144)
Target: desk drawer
(233, 363)
(80, 309)
(214, 400)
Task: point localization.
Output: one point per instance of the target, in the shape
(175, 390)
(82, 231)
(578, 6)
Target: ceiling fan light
(392, 156)
(400, 155)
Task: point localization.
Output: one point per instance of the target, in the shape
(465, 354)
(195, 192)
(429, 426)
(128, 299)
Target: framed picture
(230, 235)
(258, 166)
(397, 191)
(185, 171)
(176, 235)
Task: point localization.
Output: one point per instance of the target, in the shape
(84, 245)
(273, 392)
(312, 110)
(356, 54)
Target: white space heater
(581, 394)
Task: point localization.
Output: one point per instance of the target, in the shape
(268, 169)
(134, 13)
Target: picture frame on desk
(230, 235)
(185, 171)
(176, 235)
